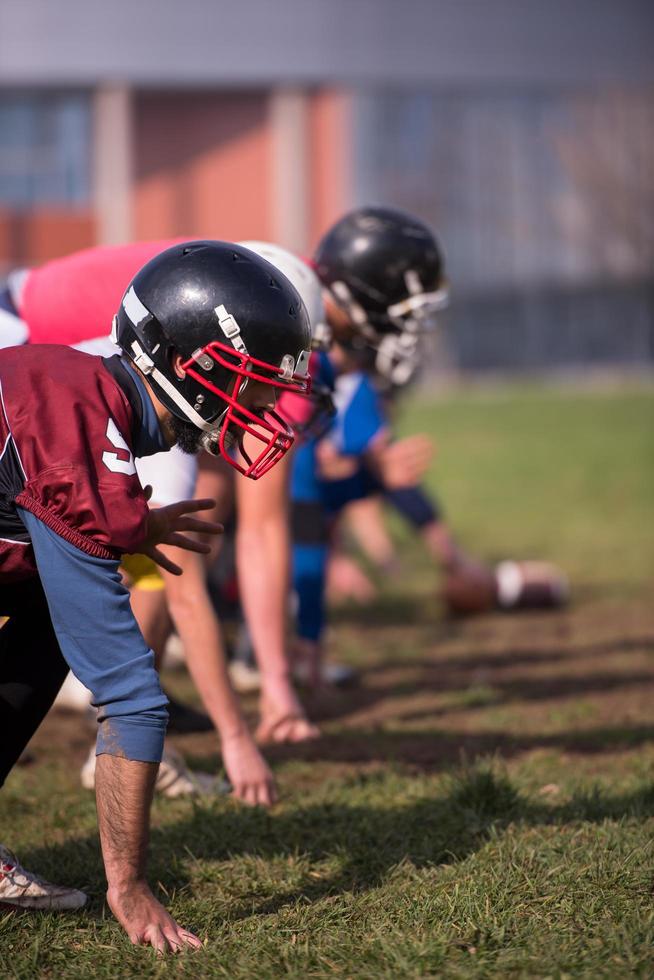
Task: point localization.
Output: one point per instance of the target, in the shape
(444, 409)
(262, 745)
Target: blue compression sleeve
(309, 571)
(415, 506)
(101, 642)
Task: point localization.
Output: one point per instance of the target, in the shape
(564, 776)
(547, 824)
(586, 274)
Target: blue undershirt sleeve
(359, 417)
(102, 644)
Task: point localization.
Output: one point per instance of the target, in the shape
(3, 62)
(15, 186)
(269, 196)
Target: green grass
(548, 470)
(483, 806)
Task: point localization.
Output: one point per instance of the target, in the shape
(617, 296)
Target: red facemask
(266, 428)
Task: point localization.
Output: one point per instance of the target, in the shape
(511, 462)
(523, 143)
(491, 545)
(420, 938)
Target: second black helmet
(385, 268)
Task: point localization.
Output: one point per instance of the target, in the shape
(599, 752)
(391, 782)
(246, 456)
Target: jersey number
(114, 462)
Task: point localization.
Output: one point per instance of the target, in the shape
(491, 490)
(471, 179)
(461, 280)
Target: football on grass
(510, 585)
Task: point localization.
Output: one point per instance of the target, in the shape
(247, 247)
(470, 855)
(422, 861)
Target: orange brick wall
(32, 237)
(202, 165)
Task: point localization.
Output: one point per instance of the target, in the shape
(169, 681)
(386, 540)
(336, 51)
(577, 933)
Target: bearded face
(187, 436)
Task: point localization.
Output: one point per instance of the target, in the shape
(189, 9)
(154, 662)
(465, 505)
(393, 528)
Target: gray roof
(168, 43)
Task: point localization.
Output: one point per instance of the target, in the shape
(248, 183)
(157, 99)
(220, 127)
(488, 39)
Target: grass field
(481, 806)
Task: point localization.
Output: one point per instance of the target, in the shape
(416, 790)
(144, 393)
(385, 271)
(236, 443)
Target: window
(45, 149)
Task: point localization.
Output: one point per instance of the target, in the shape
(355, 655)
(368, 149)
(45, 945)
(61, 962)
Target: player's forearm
(263, 564)
(208, 669)
(123, 796)
(198, 628)
(263, 571)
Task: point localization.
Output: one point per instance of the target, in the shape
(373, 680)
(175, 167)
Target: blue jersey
(305, 484)
(358, 420)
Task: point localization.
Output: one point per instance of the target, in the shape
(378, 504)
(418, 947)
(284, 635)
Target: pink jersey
(73, 299)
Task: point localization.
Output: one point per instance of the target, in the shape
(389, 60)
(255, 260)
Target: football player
(384, 283)
(399, 462)
(209, 334)
(71, 300)
(383, 272)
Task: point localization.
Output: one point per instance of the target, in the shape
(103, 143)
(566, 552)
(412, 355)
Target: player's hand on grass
(403, 463)
(248, 771)
(146, 921)
(282, 717)
(166, 524)
(286, 729)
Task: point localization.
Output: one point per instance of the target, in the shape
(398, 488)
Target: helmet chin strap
(398, 358)
(435, 301)
(146, 365)
(210, 441)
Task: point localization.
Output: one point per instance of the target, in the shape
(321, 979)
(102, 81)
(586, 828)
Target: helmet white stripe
(134, 308)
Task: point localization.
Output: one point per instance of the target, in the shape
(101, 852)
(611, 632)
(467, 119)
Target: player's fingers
(424, 454)
(189, 938)
(179, 938)
(239, 791)
(193, 524)
(300, 730)
(249, 795)
(173, 943)
(189, 507)
(414, 469)
(187, 544)
(416, 456)
(155, 937)
(418, 439)
(270, 793)
(164, 562)
(262, 794)
(283, 732)
(414, 444)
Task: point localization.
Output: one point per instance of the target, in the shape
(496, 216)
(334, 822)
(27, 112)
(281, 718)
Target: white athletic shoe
(23, 890)
(245, 678)
(174, 656)
(73, 695)
(173, 779)
(333, 675)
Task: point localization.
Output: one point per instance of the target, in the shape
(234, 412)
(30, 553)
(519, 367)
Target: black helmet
(232, 317)
(384, 268)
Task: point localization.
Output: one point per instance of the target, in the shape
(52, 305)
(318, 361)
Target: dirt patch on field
(577, 681)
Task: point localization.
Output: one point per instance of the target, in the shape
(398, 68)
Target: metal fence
(550, 329)
(544, 203)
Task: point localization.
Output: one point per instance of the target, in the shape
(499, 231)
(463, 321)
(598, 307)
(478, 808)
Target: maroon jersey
(67, 424)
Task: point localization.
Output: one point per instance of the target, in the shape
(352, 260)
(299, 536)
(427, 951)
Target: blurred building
(522, 130)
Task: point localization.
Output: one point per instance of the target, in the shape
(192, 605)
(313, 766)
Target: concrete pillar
(332, 159)
(289, 117)
(113, 163)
